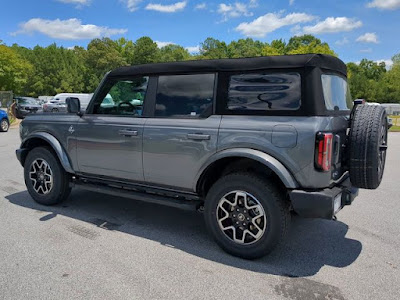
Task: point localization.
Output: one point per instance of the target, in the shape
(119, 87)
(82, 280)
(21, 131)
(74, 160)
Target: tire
(367, 146)
(4, 125)
(275, 223)
(57, 187)
(18, 115)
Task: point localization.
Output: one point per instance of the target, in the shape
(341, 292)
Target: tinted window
(267, 91)
(185, 96)
(336, 92)
(123, 97)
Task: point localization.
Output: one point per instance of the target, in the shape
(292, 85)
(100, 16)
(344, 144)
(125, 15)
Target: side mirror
(73, 105)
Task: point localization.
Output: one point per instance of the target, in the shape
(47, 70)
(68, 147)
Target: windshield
(336, 92)
(27, 101)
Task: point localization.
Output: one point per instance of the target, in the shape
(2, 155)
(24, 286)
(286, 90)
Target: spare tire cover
(367, 146)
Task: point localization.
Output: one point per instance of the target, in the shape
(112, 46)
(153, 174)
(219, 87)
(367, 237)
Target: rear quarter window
(264, 92)
(336, 92)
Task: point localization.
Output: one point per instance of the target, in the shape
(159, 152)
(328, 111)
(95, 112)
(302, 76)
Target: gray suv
(248, 141)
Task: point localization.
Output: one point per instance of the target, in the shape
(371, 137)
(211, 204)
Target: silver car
(55, 106)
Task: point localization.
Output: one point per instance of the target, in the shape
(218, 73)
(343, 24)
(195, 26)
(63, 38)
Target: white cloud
(388, 62)
(342, 42)
(270, 22)
(201, 6)
(368, 50)
(234, 10)
(163, 44)
(332, 25)
(178, 6)
(368, 37)
(385, 4)
(194, 49)
(132, 5)
(71, 29)
(78, 2)
(291, 2)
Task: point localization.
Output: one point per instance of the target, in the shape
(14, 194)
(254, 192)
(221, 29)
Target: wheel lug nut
(244, 211)
(244, 224)
(248, 219)
(237, 209)
(234, 216)
(237, 222)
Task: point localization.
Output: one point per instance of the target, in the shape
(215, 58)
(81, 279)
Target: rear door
(109, 136)
(182, 133)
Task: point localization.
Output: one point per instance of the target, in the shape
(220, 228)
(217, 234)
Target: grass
(394, 129)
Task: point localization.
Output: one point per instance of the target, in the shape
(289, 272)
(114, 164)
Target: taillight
(323, 151)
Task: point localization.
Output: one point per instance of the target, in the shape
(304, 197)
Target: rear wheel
(246, 215)
(4, 125)
(368, 145)
(46, 180)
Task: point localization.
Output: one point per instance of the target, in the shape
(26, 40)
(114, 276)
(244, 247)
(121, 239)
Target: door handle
(128, 132)
(198, 136)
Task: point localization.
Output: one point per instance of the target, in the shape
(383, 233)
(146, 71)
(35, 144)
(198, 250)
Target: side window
(123, 97)
(185, 96)
(264, 92)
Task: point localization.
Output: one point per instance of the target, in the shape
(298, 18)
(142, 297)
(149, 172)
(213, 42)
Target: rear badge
(71, 129)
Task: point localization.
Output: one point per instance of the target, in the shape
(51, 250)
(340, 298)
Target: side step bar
(141, 196)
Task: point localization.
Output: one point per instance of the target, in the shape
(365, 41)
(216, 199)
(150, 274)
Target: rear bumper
(321, 203)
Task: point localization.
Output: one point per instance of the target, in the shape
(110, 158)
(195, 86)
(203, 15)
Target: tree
(14, 70)
(102, 55)
(145, 51)
(213, 49)
(245, 48)
(173, 52)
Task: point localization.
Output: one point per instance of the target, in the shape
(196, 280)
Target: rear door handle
(198, 136)
(128, 132)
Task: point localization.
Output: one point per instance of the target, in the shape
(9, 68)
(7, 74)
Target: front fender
(53, 142)
(275, 165)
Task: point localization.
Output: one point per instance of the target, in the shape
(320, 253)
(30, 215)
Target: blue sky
(354, 29)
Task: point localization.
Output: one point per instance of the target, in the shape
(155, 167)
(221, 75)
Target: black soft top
(322, 61)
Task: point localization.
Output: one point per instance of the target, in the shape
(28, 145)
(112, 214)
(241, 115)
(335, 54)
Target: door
(182, 134)
(109, 136)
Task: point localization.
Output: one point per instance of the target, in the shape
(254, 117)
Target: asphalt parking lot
(95, 246)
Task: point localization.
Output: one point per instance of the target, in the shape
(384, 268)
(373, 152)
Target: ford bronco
(248, 141)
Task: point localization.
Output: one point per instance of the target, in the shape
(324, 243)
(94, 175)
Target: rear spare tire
(367, 146)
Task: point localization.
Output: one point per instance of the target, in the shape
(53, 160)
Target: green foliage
(173, 53)
(51, 70)
(14, 70)
(145, 51)
(213, 49)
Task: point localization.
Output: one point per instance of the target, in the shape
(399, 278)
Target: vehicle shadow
(311, 244)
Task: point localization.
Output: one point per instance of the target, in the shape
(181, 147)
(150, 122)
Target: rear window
(264, 92)
(336, 92)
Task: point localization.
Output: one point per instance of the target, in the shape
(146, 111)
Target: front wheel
(46, 180)
(246, 215)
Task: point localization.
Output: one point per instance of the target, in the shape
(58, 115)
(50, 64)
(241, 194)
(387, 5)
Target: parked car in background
(4, 121)
(25, 106)
(83, 99)
(55, 106)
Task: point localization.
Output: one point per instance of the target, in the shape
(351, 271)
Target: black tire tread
(281, 203)
(63, 191)
(363, 144)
